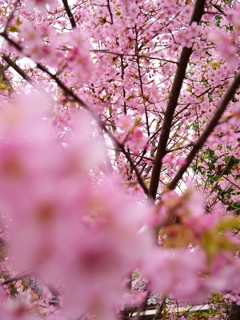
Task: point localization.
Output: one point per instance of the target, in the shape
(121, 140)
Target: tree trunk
(234, 312)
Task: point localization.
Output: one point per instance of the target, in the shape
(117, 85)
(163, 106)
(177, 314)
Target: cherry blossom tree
(119, 158)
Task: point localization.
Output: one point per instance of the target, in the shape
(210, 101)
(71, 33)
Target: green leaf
(4, 87)
(18, 22)
(13, 29)
(229, 224)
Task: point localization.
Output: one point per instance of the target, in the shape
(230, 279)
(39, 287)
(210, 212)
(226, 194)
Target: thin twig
(110, 11)
(16, 278)
(159, 310)
(172, 103)
(208, 130)
(142, 307)
(133, 55)
(11, 16)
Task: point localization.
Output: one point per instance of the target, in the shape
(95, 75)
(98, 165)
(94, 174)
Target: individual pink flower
(41, 4)
(173, 279)
(193, 30)
(137, 141)
(181, 162)
(167, 159)
(78, 58)
(224, 45)
(233, 16)
(125, 122)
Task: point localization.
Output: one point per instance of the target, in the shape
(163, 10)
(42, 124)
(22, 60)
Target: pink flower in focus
(193, 29)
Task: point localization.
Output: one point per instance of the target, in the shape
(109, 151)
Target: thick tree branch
(172, 103)
(210, 127)
(234, 312)
(69, 13)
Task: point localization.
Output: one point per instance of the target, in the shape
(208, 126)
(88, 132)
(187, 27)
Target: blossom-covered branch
(229, 95)
(172, 103)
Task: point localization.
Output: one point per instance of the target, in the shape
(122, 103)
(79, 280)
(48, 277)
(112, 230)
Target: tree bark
(234, 312)
(172, 103)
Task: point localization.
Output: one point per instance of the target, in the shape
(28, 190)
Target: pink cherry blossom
(119, 157)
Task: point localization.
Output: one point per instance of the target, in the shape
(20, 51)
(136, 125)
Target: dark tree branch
(110, 11)
(210, 127)
(133, 55)
(219, 9)
(234, 312)
(33, 283)
(159, 310)
(142, 307)
(69, 13)
(2, 242)
(11, 15)
(22, 73)
(14, 279)
(224, 170)
(10, 41)
(25, 76)
(172, 103)
(3, 78)
(142, 87)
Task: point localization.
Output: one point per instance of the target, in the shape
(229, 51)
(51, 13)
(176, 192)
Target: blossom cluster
(81, 231)
(83, 234)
